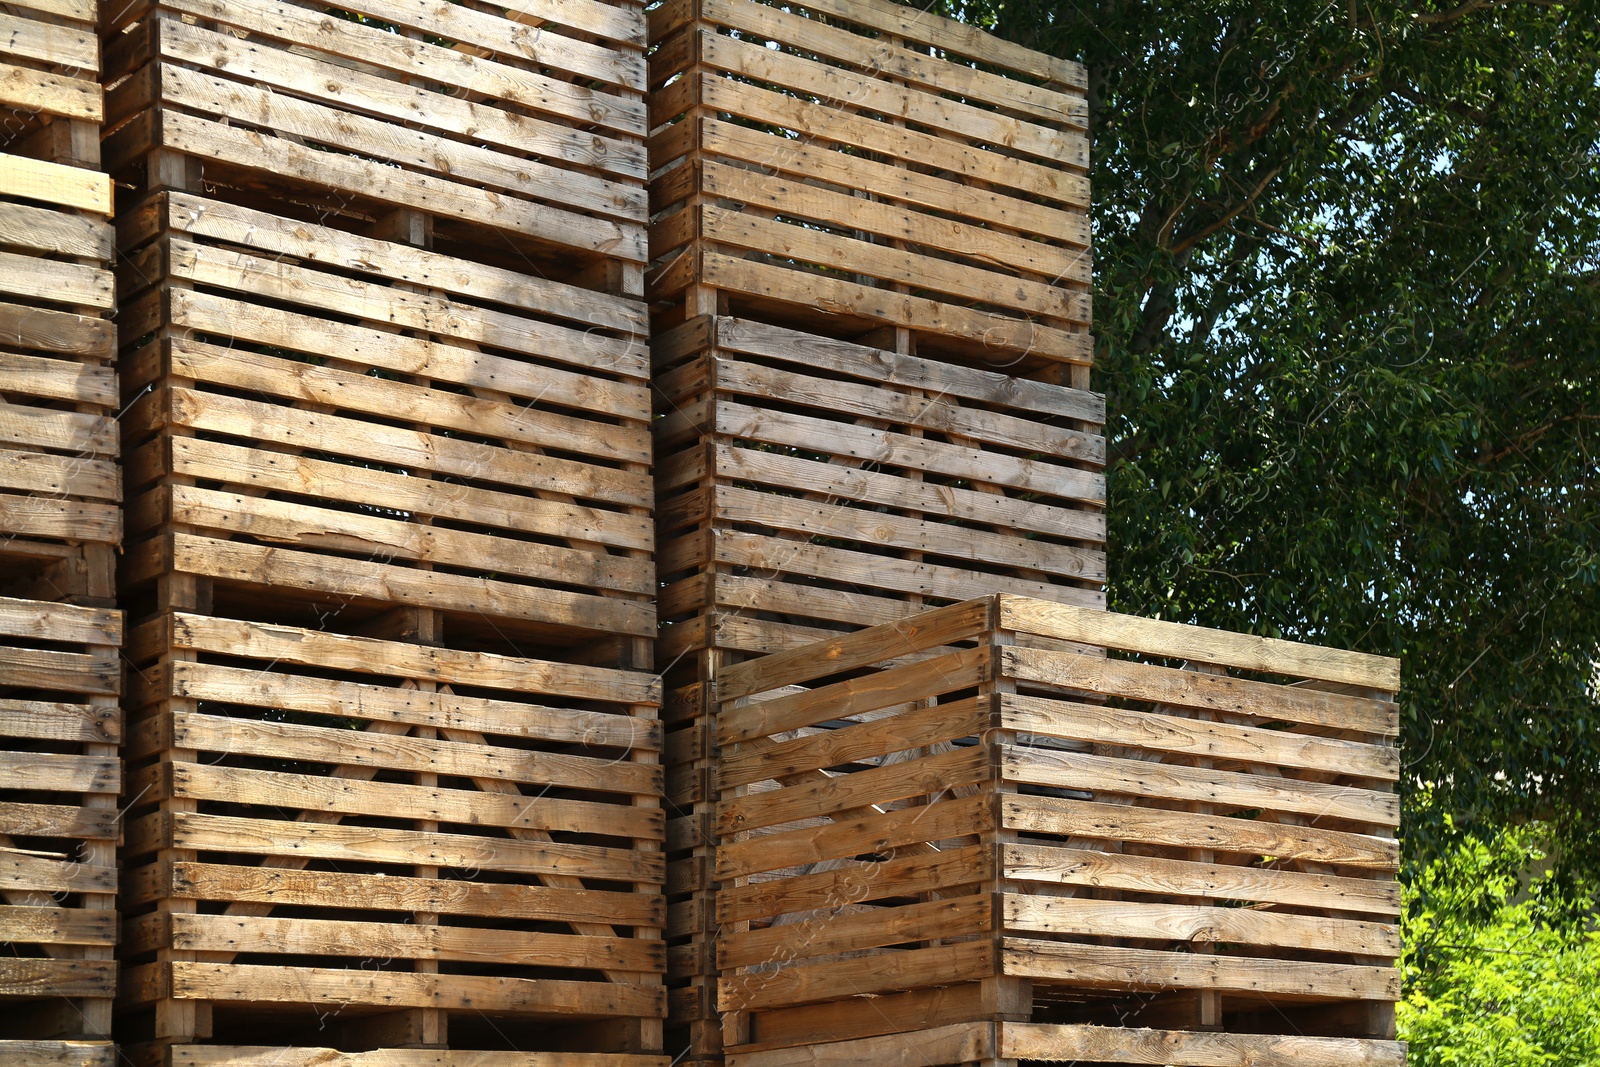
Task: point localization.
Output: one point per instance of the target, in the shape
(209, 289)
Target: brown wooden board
(342, 420)
(518, 133)
(844, 167)
(59, 483)
(354, 842)
(60, 726)
(1153, 826)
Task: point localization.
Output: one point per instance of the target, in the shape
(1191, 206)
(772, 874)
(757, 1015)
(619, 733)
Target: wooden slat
(1188, 924)
(395, 262)
(1244, 651)
(294, 644)
(942, 626)
(55, 232)
(1100, 966)
(320, 985)
(54, 183)
(322, 889)
(33, 92)
(60, 622)
(1137, 1045)
(1239, 836)
(274, 1056)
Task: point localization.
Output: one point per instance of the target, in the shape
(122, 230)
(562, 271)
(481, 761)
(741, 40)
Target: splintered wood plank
(46, 279)
(53, 183)
(1244, 651)
(323, 889)
(395, 989)
(1136, 1045)
(46, 329)
(1104, 967)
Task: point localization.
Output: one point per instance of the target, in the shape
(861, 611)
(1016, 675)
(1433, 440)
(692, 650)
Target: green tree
(1496, 971)
(1347, 259)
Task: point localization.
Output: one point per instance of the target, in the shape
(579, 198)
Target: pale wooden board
(55, 183)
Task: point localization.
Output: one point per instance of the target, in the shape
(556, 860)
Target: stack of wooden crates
(393, 756)
(60, 522)
(870, 295)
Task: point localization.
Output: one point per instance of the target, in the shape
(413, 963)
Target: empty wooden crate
(1034, 832)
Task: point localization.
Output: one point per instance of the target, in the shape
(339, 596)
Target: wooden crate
(59, 777)
(335, 424)
(845, 166)
(352, 843)
(59, 488)
(516, 133)
(808, 486)
(1012, 811)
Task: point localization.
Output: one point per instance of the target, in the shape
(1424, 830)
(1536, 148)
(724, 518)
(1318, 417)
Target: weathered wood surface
(60, 726)
(950, 801)
(326, 817)
(847, 167)
(516, 131)
(322, 414)
(807, 485)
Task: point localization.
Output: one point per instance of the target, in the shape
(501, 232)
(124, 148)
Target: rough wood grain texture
(59, 731)
(878, 178)
(950, 802)
(519, 133)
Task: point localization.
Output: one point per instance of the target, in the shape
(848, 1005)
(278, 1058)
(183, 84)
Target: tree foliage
(1348, 318)
(1496, 970)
